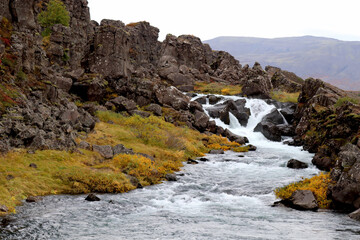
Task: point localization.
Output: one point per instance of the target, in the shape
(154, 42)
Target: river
(228, 197)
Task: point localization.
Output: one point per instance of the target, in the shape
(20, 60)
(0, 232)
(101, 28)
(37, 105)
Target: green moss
(341, 101)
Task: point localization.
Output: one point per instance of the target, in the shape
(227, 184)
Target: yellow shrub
(317, 184)
(282, 96)
(217, 88)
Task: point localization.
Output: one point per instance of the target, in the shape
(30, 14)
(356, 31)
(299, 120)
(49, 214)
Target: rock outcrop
(327, 124)
(302, 200)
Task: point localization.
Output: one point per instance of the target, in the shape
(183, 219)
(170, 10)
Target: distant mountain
(334, 61)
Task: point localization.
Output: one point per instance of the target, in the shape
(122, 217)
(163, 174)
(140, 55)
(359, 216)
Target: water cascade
(228, 197)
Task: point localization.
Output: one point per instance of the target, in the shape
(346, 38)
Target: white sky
(248, 18)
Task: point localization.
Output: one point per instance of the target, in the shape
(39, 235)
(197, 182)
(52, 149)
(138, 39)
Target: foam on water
(228, 197)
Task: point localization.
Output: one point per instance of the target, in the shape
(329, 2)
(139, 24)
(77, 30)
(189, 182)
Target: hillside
(332, 60)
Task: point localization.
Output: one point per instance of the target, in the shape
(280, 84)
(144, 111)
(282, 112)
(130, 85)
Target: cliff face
(113, 64)
(328, 124)
(122, 66)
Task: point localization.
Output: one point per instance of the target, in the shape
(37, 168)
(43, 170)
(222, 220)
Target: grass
(282, 96)
(62, 172)
(217, 88)
(318, 185)
(341, 101)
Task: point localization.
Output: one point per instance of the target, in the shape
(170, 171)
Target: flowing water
(228, 197)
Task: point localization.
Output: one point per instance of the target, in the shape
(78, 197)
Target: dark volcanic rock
(214, 99)
(237, 108)
(269, 130)
(84, 145)
(302, 200)
(216, 151)
(192, 161)
(201, 100)
(235, 138)
(134, 181)
(155, 109)
(346, 192)
(105, 151)
(92, 198)
(3, 209)
(200, 120)
(251, 147)
(33, 199)
(121, 149)
(268, 126)
(171, 177)
(33, 165)
(123, 104)
(296, 164)
(355, 215)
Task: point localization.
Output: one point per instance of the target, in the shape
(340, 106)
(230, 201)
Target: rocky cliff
(108, 65)
(328, 124)
(52, 86)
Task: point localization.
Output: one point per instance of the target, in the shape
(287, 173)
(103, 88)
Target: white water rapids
(228, 197)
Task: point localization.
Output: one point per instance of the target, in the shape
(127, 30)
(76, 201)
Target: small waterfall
(258, 109)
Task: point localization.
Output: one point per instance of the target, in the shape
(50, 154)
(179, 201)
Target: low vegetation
(341, 101)
(283, 96)
(84, 171)
(318, 185)
(217, 88)
(55, 13)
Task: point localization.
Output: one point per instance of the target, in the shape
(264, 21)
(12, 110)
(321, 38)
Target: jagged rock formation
(331, 131)
(284, 80)
(123, 66)
(119, 66)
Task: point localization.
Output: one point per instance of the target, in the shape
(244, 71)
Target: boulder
(9, 177)
(92, 198)
(134, 181)
(274, 117)
(140, 113)
(123, 104)
(288, 113)
(200, 120)
(214, 99)
(69, 116)
(192, 161)
(269, 130)
(105, 151)
(171, 177)
(296, 164)
(235, 138)
(63, 83)
(201, 100)
(121, 149)
(286, 130)
(32, 165)
(216, 151)
(33, 199)
(355, 215)
(84, 145)
(155, 109)
(3, 208)
(251, 147)
(195, 106)
(302, 200)
(171, 96)
(237, 108)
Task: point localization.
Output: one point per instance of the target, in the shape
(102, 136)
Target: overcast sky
(208, 19)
